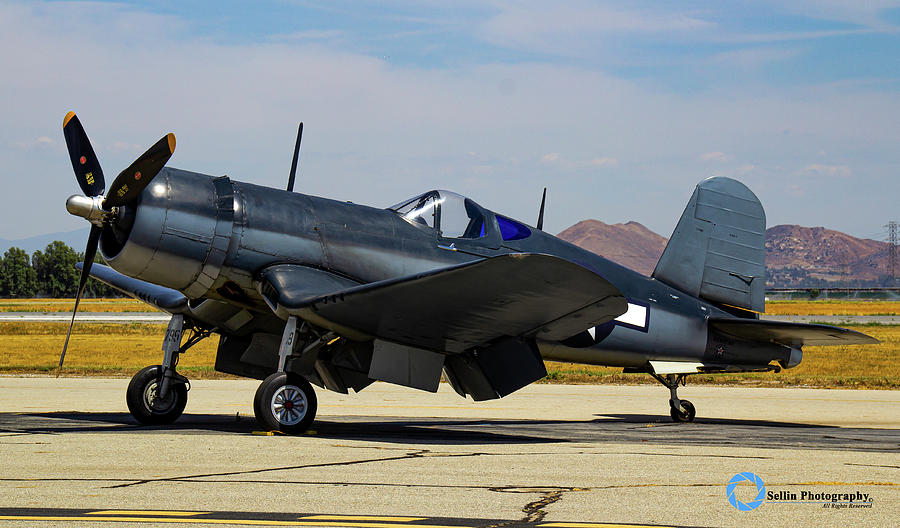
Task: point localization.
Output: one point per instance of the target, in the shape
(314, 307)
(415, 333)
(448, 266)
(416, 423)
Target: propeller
(94, 206)
(87, 168)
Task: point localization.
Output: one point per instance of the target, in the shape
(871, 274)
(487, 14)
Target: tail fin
(718, 249)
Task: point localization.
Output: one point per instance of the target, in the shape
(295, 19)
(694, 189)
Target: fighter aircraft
(303, 289)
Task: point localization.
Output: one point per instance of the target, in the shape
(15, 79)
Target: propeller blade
(131, 181)
(84, 161)
(89, 253)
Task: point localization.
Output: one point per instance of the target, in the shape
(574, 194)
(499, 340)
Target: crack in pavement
(871, 465)
(414, 454)
(534, 511)
(421, 453)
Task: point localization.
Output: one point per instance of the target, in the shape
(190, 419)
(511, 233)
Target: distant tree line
(47, 273)
(801, 278)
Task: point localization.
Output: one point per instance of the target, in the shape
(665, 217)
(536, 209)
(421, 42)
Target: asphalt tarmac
(549, 455)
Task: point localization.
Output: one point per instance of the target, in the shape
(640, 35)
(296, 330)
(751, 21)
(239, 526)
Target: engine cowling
(176, 234)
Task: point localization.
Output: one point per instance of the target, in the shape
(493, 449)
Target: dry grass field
(121, 350)
(833, 308)
(96, 349)
(66, 305)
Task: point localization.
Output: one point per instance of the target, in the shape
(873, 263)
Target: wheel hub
(154, 402)
(289, 405)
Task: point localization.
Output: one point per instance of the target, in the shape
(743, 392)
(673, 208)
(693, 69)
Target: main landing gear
(157, 394)
(285, 401)
(680, 410)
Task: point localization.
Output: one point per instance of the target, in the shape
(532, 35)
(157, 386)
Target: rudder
(718, 249)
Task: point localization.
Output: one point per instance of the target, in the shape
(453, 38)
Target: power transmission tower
(892, 252)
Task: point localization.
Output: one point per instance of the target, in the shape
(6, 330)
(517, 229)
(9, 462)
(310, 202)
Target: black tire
(682, 416)
(278, 403)
(142, 401)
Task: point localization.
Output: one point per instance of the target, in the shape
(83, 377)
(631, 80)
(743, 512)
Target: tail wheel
(285, 402)
(145, 404)
(687, 415)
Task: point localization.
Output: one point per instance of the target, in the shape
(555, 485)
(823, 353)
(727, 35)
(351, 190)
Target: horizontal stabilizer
(166, 299)
(789, 334)
(456, 308)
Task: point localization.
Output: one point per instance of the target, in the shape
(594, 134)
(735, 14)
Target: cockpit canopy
(456, 216)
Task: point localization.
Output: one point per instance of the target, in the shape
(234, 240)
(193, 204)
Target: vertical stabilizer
(718, 249)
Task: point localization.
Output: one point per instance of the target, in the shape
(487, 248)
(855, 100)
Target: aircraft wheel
(144, 404)
(683, 416)
(285, 402)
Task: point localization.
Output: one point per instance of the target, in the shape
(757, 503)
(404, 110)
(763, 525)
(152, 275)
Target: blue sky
(619, 107)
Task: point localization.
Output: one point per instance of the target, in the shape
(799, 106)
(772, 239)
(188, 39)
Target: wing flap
(459, 307)
(789, 334)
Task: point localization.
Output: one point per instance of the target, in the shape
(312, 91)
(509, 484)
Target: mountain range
(796, 256)
(75, 239)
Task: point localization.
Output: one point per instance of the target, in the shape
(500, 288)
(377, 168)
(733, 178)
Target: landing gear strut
(680, 410)
(285, 401)
(157, 394)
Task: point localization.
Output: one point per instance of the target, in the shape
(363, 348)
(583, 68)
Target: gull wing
(452, 309)
(166, 299)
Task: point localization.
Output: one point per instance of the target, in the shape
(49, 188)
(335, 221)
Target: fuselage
(209, 237)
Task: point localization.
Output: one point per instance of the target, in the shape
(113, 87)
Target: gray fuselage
(209, 237)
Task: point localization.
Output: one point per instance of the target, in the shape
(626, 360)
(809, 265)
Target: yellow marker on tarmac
(361, 518)
(598, 525)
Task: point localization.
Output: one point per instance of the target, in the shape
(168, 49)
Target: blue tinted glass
(512, 230)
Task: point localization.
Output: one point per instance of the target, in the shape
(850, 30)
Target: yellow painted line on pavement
(361, 518)
(145, 512)
(184, 520)
(599, 525)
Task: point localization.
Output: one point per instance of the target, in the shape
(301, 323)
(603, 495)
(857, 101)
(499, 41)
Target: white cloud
(830, 171)
(376, 132)
(555, 158)
(550, 157)
(42, 142)
(604, 162)
(574, 28)
(715, 156)
(310, 35)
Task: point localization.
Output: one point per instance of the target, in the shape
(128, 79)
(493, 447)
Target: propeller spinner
(94, 206)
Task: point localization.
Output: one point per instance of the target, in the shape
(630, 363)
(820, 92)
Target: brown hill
(796, 256)
(630, 244)
(825, 254)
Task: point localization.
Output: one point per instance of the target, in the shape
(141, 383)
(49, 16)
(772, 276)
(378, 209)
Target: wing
(166, 299)
(456, 308)
(789, 334)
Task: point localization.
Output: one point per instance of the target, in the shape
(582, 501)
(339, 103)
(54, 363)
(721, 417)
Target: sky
(619, 108)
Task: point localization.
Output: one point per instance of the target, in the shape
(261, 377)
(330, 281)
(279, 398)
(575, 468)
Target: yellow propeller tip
(68, 118)
(171, 137)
